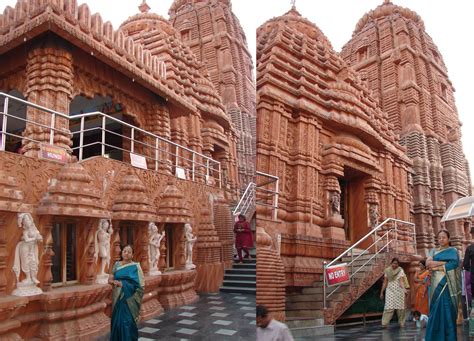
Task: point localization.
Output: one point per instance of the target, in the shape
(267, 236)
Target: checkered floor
(376, 332)
(214, 317)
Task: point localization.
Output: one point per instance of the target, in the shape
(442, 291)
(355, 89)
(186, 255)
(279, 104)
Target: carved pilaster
(144, 259)
(90, 268)
(47, 258)
(49, 82)
(3, 254)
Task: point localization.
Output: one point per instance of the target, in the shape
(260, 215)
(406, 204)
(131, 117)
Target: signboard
(337, 274)
(138, 161)
(54, 153)
(180, 173)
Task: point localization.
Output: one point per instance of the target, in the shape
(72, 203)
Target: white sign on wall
(180, 173)
(138, 161)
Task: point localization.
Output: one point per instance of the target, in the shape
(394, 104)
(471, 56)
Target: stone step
(298, 314)
(235, 283)
(243, 277)
(304, 322)
(304, 297)
(303, 305)
(245, 266)
(241, 272)
(239, 290)
(311, 332)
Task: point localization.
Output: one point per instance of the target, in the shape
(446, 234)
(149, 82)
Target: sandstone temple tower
(215, 36)
(406, 74)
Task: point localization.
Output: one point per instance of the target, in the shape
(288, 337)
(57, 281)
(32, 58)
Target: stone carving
(102, 248)
(26, 257)
(335, 204)
(154, 241)
(190, 239)
(373, 216)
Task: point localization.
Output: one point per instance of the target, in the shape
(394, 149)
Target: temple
(111, 137)
(366, 148)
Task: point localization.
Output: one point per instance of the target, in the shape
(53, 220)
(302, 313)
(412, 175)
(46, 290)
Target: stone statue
(190, 240)
(102, 248)
(26, 257)
(373, 216)
(154, 241)
(335, 203)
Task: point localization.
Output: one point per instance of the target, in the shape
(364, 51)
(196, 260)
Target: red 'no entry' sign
(337, 274)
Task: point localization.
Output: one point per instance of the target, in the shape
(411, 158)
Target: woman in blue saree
(127, 297)
(445, 291)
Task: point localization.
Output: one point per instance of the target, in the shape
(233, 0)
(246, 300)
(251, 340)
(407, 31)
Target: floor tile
(187, 322)
(228, 332)
(186, 331)
(222, 322)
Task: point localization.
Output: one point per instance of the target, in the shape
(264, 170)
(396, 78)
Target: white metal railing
(246, 203)
(267, 191)
(92, 135)
(386, 237)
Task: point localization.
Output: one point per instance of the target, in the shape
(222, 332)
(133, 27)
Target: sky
(451, 27)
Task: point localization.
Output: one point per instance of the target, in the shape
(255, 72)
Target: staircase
(242, 278)
(314, 308)
(246, 204)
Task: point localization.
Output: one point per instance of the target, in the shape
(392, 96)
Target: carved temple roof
(172, 206)
(132, 202)
(72, 193)
(11, 197)
(184, 71)
(385, 10)
(79, 26)
(208, 239)
(296, 59)
(179, 5)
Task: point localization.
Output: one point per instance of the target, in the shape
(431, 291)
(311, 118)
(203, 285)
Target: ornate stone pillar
(49, 83)
(48, 253)
(372, 188)
(334, 220)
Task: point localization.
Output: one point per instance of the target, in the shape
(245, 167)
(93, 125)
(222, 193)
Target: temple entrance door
(353, 206)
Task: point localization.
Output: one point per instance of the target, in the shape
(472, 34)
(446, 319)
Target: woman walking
(394, 286)
(421, 289)
(243, 237)
(445, 290)
(127, 297)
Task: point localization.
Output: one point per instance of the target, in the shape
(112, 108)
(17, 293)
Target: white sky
(450, 24)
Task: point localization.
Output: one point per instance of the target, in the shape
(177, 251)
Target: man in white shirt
(269, 329)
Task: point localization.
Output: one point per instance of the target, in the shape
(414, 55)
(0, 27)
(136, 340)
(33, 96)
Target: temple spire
(144, 8)
(293, 4)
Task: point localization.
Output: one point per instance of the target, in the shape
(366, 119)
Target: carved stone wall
(325, 137)
(407, 76)
(215, 36)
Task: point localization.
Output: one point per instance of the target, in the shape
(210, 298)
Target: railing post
(157, 152)
(275, 200)
(207, 170)
(396, 235)
(177, 157)
(194, 168)
(3, 135)
(81, 139)
(220, 175)
(132, 139)
(324, 284)
(103, 136)
(352, 265)
(51, 132)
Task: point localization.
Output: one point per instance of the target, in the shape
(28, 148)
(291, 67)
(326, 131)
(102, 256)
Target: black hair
(443, 231)
(423, 262)
(416, 313)
(262, 311)
(122, 247)
(395, 260)
(242, 217)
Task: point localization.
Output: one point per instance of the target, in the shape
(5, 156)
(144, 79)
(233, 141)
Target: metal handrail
(270, 179)
(246, 201)
(387, 235)
(174, 154)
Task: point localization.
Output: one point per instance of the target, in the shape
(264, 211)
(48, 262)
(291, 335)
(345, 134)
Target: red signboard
(337, 274)
(53, 153)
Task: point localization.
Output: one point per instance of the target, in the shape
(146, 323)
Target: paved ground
(376, 332)
(214, 317)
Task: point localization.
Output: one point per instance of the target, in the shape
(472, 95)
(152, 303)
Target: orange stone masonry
(404, 70)
(63, 57)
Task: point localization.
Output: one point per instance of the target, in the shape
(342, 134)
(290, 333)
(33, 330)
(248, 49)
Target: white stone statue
(26, 257)
(190, 240)
(154, 241)
(102, 248)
